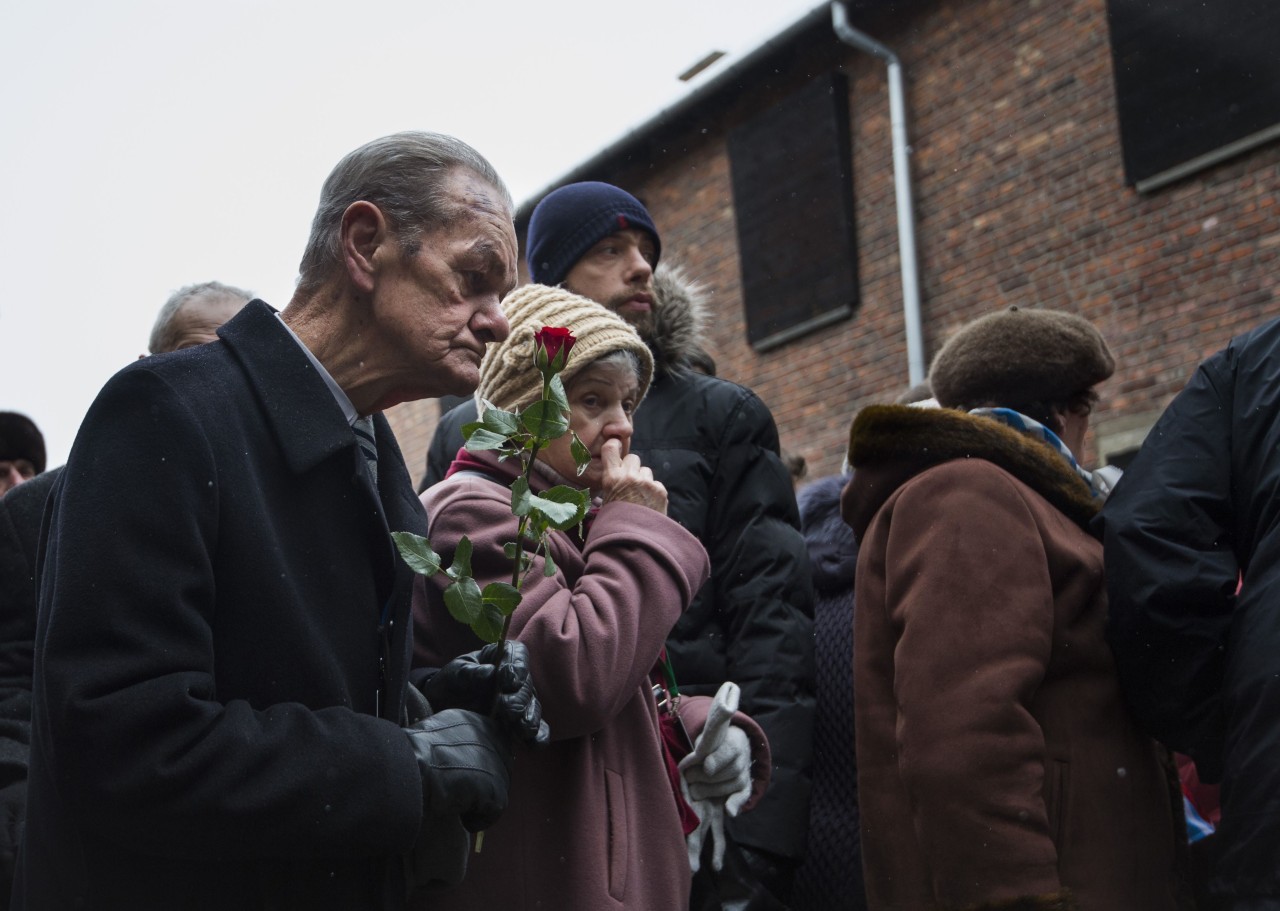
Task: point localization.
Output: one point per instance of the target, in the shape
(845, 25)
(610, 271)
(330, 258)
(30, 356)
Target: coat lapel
(308, 425)
(309, 428)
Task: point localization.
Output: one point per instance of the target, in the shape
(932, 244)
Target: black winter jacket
(20, 512)
(1197, 511)
(715, 446)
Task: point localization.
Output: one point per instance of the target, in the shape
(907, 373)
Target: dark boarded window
(1196, 82)
(793, 200)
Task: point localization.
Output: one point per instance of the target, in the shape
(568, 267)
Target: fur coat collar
(890, 444)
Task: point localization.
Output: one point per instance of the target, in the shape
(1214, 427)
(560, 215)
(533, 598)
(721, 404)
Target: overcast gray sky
(149, 145)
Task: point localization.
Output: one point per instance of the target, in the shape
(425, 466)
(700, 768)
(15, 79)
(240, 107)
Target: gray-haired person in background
(192, 315)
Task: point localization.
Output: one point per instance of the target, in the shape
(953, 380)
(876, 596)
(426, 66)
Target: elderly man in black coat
(221, 714)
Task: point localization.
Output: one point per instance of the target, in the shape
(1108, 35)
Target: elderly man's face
(439, 307)
(618, 272)
(14, 471)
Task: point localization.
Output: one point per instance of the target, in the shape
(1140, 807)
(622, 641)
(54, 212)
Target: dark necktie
(363, 429)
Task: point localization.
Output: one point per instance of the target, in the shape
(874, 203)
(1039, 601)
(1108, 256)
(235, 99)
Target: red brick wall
(1020, 199)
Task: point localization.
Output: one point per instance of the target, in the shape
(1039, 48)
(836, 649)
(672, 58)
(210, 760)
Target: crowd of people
(222, 685)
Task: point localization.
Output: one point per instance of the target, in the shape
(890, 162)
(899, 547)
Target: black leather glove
(465, 763)
(506, 692)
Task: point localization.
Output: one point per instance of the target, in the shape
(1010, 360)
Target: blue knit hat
(570, 220)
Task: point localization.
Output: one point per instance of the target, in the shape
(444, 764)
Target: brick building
(1036, 179)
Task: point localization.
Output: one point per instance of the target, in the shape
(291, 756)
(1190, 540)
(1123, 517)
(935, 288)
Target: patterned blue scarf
(1037, 431)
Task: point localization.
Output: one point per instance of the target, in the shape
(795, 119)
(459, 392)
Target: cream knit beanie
(508, 377)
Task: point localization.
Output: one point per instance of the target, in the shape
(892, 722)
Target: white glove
(725, 773)
(710, 819)
(716, 776)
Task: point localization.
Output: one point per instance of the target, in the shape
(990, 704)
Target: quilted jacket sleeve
(1172, 568)
(763, 585)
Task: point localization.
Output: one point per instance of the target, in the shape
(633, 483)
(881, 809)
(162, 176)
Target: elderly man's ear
(366, 242)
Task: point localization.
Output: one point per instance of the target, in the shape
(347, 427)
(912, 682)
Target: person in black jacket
(191, 316)
(715, 446)
(221, 715)
(20, 511)
(1191, 540)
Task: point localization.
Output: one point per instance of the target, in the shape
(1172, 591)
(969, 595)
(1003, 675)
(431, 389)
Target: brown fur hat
(1019, 355)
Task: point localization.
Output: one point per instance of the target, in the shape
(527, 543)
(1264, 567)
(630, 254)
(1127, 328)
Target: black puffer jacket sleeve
(1171, 544)
(758, 604)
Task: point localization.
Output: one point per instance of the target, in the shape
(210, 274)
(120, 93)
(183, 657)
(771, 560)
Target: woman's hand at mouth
(627, 481)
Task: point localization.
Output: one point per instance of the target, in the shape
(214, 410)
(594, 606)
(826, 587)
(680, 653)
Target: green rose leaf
(548, 565)
(488, 623)
(416, 552)
(504, 422)
(562, 507)
(464, 601)
(559, 397)
(545, 420)
(521, 498)
(502, 595)
(461, 568)
(483, 439)
(581, 456)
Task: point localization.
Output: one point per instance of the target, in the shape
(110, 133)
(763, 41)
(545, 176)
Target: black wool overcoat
(223, 645)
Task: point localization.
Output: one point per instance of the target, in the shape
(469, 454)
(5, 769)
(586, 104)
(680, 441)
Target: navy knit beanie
(570, 220)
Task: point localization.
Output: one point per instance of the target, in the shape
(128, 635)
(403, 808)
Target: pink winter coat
(592, 822)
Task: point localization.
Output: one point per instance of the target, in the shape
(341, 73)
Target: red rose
(553, 345)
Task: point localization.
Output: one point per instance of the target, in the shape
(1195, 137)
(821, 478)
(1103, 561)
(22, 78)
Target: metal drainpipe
(902, 185)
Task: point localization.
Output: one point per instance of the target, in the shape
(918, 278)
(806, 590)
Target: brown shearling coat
(997, 765)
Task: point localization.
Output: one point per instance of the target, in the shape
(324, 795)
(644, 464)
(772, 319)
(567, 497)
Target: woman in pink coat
(597, 819)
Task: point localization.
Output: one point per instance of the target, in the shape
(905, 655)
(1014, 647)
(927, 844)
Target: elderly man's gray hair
(162, 333)
(403, 175)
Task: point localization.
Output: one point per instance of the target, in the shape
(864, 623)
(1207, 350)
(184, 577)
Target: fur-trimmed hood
(890, 444)
(679, 318)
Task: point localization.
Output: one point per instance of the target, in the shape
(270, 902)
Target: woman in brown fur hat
(997, 766)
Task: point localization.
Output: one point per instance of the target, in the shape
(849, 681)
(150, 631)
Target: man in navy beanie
(714, 445)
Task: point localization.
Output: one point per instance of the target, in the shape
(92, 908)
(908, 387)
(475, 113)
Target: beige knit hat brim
(508, 377)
